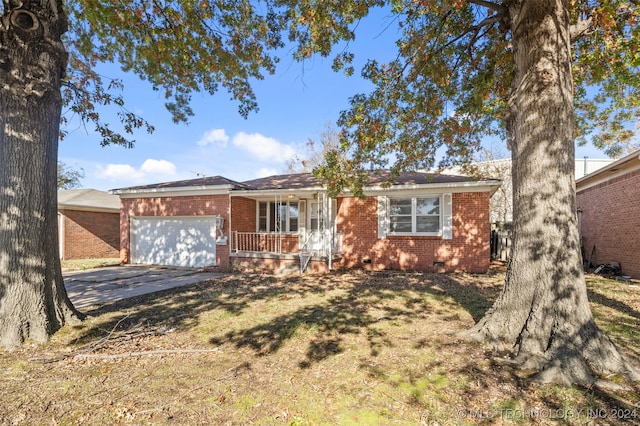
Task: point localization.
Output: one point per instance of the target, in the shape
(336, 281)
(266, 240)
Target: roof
(290, 181)
(377, 179)
(616, 169)
(298, 181)
(199, 182)
(87, 199)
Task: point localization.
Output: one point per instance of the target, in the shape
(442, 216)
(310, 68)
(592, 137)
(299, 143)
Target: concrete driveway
(97, 286)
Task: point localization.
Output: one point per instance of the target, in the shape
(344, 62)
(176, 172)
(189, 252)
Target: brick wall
(90, 235)
(468, 250)
(243, 214)
(611, 220)
(175, 206)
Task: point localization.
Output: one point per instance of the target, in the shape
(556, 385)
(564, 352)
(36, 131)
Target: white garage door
(174, 241)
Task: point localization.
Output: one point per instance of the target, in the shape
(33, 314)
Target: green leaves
(607, 74)
(179, 46)
(444, 90)
(446, 87)
(450, 83)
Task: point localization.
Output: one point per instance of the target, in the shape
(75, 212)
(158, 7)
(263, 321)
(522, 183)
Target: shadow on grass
(321, 312)
(342, 304)
(617, 305)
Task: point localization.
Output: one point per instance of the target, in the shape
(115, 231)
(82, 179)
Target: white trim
(434, 188)
(383, 216)
(372, 191)
(616, 169)
(447, 216)
(414, 216)
(88, 209)
(173, 191)
(302, 193)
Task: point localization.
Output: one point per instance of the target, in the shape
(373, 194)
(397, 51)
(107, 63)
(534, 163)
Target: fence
(501, 235)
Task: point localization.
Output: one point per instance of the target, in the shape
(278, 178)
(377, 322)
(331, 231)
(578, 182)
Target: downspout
(331, 232)
(61, 235)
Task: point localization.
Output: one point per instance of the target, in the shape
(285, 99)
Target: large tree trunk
(543, 314)
(33, 299)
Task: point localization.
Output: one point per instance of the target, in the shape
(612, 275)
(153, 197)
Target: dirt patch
(352, 348)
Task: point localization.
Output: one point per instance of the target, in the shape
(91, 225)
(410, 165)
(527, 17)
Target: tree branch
(580, 28)
(499, 8)
(144, 353)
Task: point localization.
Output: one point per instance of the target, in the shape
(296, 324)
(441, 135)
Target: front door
(315, 226)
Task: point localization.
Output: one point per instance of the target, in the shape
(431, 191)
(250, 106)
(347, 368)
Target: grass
(85, 264)
(352, 349)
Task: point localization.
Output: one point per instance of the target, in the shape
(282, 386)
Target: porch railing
(260, 242)
(337, 243)
(267, 242)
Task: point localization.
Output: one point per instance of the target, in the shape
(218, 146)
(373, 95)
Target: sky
(295, 105)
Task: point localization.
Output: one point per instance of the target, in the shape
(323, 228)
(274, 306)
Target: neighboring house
(501, 201)
(88, 224)
(422, 222)
(608, 204)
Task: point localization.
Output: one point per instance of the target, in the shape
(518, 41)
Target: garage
(187, 241)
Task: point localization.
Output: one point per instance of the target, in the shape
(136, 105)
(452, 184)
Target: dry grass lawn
(356, 348)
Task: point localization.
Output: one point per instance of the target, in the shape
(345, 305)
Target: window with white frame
(278, 217)
(415, 215)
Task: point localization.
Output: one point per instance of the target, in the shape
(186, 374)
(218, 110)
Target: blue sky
(295, 105)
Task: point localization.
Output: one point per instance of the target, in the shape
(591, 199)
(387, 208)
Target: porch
(317, 244)
(264, 251)
(269, 231)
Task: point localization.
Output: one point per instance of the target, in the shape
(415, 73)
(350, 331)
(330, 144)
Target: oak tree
(542, 73)
(49, 53)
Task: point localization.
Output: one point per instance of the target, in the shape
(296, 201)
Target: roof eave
(620, 166)
(168, 191)
(88, 208)
(471, 186)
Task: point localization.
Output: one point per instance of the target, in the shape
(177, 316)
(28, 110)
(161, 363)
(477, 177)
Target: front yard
(354, 348)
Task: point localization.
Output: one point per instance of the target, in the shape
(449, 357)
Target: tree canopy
(445, 89)
(68, 177)
(450, 83)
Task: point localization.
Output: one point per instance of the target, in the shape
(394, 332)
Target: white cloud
(213, 137)
(158, 167)
(264, 172)
(118, 172)
(149, 170)
(263, 147)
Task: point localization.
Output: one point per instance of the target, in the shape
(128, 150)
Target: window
(316, 217)
(418, 215)
(278, 217)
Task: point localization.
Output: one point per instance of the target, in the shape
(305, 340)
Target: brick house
(282, 223)
(608, 202)
(88, 224)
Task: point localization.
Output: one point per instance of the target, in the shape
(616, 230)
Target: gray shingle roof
(307, 180)
(205, 181)
(302, 181)
(78, 199)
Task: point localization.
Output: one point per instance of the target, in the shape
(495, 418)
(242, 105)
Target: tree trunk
(33, 300)
(543, 314)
